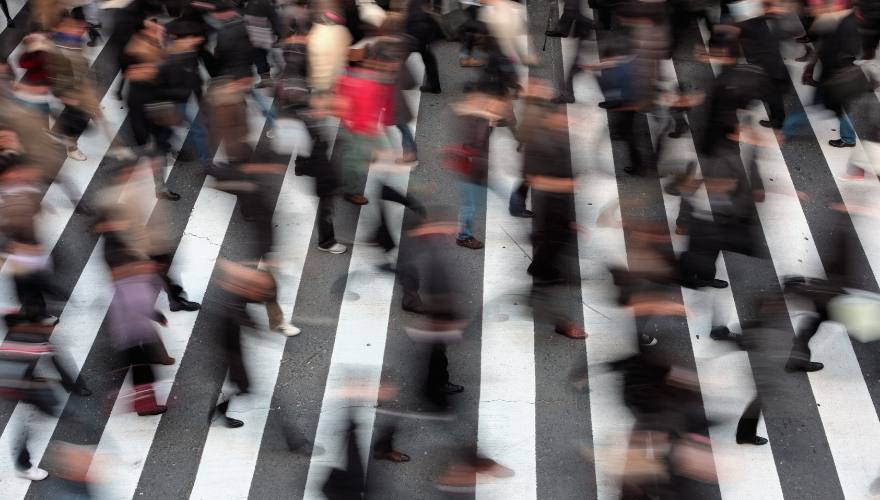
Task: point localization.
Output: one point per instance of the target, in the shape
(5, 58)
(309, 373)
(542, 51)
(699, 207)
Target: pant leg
(276, 316)
(199, 134)
(567, 91)
(747, 428)
(261, 61)
(847, 134)
(800, 350)
(326, 235)
(141, 371)
(406, 138)
(232, 340)
(358, 153)
(518, 198)
(23, 459)
(467, 210)
(438, 366)
(5, 9)
(775, 102)
(432, 73)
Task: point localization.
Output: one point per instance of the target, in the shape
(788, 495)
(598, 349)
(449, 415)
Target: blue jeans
(406, 138)
(199, 135)
(266, 109)
(794, 121)
(847, 134)
(473, 198)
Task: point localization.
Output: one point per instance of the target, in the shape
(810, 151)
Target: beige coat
(328, 54)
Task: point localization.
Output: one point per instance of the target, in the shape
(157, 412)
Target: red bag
(458, 157)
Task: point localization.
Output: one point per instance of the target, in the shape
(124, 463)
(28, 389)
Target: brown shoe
(681, 231)
(392, 456)
(356, 199)
(470, 242)
(572, 332)
(471, 63)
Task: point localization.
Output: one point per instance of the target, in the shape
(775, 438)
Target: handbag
(458, 157)
(163, 113)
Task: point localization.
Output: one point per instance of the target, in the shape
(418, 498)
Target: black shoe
(617, 137)
(606, 105)
(722, 333)
(10, 23)
(168, 195)
(183, 305)
(672, 189)
(675, 134)
(525, 214)
(633, 171)
(419, 308)
(430, 89)
(803, 39)
(808, 367)
(450, 389)
(555, 33)
(245, 213)
(765, 123)
(233, 423)
(838, 143)
(713, 283)
(210, 168)
(560, 99)
(83, 209)
(757, 441)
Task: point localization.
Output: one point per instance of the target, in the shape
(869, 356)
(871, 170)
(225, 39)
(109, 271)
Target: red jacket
(370, 97)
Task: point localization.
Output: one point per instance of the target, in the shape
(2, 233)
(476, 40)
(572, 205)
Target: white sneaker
(287, 330)
(863, 62)
(122, 153)
(270, 134)
(76, 154)
(34, 474)
(335, 249)
(48, 320)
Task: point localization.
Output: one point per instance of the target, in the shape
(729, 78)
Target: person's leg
(326, 235)
(747, 428)
(774, 101)
(407, 140)
(468, 207)
(232, 341)
(276, 316)
(847, 134)
(800, 350)
(199, 135)
(567, 91)
(358, 154)
(5, 10)
(432, 73)
(792, 122)
(261, 61)
(517, 203)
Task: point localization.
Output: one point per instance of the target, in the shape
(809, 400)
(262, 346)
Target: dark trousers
(773, 98)
(870, 38)
(232, 342)
(261, 61)
(139, 361)
(432, 73)
(518, 198)
(552, 222)
(625, 127)
(30, 293)
(800, 350)
(438, 373)
(326, 234)
(747, 428)
(707, 240)
(174, 291)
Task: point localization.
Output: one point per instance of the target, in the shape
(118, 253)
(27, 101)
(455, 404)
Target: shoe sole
(334, 252)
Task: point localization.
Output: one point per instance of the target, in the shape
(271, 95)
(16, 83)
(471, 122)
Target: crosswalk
(517, 403)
